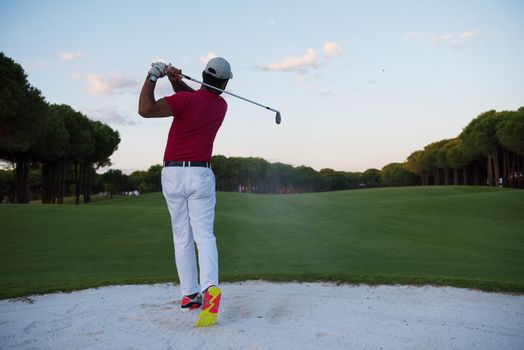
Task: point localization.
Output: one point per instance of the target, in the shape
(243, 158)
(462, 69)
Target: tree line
(62, 144)
(233, 174)
(257, 175)
(489, 151)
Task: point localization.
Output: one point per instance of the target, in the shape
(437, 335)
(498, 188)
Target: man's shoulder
(196, 97)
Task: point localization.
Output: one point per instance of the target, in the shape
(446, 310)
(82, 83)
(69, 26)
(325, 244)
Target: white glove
(158, 70)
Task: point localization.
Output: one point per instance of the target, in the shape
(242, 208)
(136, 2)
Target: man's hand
(175, 77)
(158, 70)
(174, 74)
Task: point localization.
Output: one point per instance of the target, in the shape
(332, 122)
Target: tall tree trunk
(49, 182)
(61, 175)
(83, 180)
(57, 181)
(435, 177)
(22, 179)
(46, 188)
(489, 168)
(63, 181)
(87, 185)
(52, 183)
(455, 177)
(520, 162)
(77, 187)
(496, 168)
(511, 166)
(505, 165)
(446, 176)
(477, 175)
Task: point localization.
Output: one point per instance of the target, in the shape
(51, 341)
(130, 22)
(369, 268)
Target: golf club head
(277, 118)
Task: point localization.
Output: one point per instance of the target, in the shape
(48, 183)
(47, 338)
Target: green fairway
(459, 236)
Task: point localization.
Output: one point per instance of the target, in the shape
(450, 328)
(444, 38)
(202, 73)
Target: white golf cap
(219, 68)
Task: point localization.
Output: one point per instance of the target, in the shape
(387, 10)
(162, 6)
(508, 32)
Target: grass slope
(460, 236)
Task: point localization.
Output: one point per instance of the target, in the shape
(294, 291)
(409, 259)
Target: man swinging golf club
(188, 183)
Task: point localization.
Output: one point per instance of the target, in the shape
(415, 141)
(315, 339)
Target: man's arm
(148, 107)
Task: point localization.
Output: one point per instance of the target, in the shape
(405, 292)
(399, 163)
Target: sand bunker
(262, 315)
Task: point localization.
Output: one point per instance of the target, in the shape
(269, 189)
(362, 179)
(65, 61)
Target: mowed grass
(460, 236)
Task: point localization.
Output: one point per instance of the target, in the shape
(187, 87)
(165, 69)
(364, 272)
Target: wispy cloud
(69, 56)
(109, 115)
(271, 23)
(114, 84)
(454, 40)
(206, 58)
(469, 34)
(332, 49)
(309, 60)
(98, 84)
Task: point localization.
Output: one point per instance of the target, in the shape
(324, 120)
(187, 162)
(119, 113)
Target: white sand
(261, 315)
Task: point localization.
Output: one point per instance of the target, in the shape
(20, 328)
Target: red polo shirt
(197, 117)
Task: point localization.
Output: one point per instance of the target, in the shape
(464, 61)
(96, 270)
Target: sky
(359, 84)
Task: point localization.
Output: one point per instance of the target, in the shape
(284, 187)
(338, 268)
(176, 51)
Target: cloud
(207, 57)
(109, 115)
(114, 84)
(332, 49)
(308, 60)
(271, 23)
(454, 40)
(69, 56)
(469, 34)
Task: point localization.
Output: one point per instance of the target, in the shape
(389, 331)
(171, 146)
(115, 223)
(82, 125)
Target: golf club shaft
(229, 93)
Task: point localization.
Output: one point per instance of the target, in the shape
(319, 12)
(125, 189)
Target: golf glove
(158, 70)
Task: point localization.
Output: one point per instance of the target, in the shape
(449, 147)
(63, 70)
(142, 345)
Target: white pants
(190, 198)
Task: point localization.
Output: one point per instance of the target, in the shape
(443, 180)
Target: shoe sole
(209, 314)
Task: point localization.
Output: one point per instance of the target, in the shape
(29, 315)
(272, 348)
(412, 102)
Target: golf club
(277, 116)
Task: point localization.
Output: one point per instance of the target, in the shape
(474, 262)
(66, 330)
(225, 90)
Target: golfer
(188, 183)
